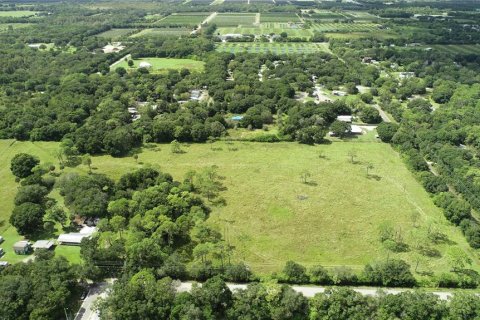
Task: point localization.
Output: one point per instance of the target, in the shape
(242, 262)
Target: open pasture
(273, 216)
(173, 32)
(277, 48)
(278, 17)
(17, 14)
(234, 19)
(163, 64)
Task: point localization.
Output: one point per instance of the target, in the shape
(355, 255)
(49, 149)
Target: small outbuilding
(339, 93)
(347, 119)
(22, 247)
(145, 65)
(43, 244)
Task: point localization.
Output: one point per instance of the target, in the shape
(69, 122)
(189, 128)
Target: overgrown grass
(271, 216)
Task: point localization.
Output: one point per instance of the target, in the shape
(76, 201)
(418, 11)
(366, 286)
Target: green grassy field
(6, 26)
(278, 48)
(18, 13)
(234, 19)
(116, 33)
(187, 18)
(279, 17)
(174, 32)
(273, 216)
(162, 64)
(267, 28)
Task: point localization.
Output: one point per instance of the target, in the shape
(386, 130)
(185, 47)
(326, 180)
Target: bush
(392, 273)
(22, 164)
(386, 131)
(370, 115)
(295, 273)
(238, 273)
(320, 275)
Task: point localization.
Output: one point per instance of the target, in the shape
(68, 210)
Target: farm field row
(277, 48)
(161, 32)
(278, 17)
(457, 49)
(184, 19)
(274, 217)
(266, 30)
(162, 64)
(234, 19)
(116, 33)
(344, 27)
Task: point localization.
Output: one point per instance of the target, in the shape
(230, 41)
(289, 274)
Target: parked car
(2, 252)
(3, 264)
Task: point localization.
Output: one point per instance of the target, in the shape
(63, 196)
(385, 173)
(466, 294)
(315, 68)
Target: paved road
(86, 311)
(310, 291)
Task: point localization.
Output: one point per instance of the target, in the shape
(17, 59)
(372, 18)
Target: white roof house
(144, 64)
(356, 129)
(75, 238)
(43, 244)
(345, 118)
(71, 238)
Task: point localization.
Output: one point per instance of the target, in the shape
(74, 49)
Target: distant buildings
(406, 75)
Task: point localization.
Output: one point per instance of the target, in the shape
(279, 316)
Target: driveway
(96, 291)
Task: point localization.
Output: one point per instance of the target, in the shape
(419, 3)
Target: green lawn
(274, 217)
(8, 188)
(162, 64)
(18, 13)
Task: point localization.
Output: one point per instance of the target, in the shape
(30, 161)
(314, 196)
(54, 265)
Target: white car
(2, 252)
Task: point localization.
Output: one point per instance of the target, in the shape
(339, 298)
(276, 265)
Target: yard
(162, 64)
(271, 216)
